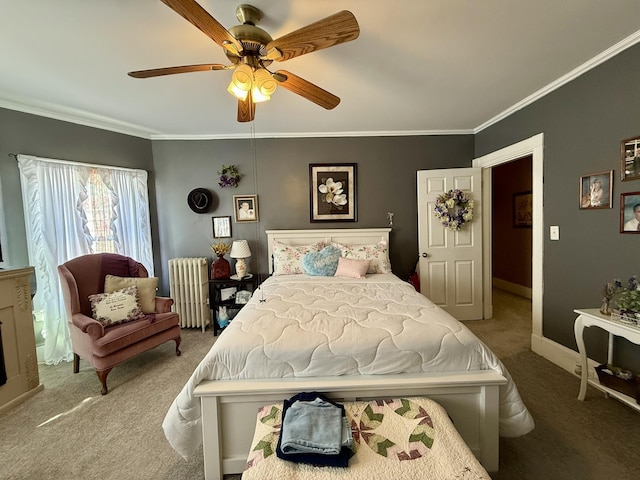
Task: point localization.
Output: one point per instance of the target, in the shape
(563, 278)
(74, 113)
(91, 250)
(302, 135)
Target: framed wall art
(332, 191)
(245, 208)
(630, 212)
(630, 158)
(221, 227)
(596, 190)
(523, 209)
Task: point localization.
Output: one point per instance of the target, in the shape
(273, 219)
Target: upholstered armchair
(108, 341)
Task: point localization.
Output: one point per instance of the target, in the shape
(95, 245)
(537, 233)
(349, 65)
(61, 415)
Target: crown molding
(312, 135)
(72, 115)
(611, 52)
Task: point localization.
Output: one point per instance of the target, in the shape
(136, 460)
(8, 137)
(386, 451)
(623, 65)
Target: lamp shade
(240, 249)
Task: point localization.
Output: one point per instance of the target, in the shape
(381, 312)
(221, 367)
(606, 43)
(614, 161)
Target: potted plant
(627, 300)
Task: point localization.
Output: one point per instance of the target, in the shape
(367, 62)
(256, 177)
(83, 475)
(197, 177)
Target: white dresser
(18, 342)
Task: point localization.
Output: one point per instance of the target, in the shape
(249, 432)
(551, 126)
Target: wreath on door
(453, 209)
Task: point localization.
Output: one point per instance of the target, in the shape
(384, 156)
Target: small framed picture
(227, 293)
(630, 158)
(596, 190)
(243, 296)
(630, 212)
(221, 227)
(245, 208)
(332, 188)
(523, 210)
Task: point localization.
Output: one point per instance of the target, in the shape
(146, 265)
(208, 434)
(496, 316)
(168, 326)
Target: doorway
(532, 146)
(511, 226)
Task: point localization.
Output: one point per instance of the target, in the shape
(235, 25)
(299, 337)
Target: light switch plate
(554, 232)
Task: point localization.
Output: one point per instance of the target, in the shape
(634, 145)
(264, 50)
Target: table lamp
(240, 250)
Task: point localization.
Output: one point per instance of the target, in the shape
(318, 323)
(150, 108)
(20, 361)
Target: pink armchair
(106, 346)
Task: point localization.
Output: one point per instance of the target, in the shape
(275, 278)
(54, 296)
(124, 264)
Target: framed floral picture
(630, 212)
(245, 208)
(332, 191)
(596, 190)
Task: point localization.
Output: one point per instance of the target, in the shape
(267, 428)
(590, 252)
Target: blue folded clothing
(312, 427)
(314, 431)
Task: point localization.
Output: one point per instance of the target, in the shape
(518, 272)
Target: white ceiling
(419, 66)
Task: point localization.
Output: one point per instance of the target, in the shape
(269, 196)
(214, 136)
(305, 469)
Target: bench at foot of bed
(399, 438)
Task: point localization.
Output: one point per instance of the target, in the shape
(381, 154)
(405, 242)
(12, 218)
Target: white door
(451, 261)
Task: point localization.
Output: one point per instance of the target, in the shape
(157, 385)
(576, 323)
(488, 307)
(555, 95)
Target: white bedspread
(318, 326)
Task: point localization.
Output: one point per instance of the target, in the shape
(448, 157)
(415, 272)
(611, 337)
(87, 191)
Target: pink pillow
(351, 267)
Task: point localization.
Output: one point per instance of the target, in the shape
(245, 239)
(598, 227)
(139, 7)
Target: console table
(593, 318)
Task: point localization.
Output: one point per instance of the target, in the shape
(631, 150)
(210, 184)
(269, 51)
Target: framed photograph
(227, 293)
(332, 190)
(523, 209)
(245, 208)
(596, 190)
(630, 212)
(221, 227)
(243, 296)
(630, 155)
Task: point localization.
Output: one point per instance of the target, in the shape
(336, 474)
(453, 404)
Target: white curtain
(58, 202)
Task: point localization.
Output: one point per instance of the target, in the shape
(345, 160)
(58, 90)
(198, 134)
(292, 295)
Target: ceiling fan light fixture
(242, 77)
(257, 96)
(237, 92)
(265, 82)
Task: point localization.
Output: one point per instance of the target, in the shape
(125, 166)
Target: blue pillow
(323, 263)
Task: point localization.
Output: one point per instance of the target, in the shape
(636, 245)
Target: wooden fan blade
(338, 28)
(201, 19)
(306, 89)
(157, 72)
(246, 109)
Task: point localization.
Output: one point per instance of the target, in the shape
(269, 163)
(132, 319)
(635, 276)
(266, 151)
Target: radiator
(189, 286)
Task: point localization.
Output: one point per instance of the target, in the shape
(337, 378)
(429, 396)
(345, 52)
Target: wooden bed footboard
(229, 408)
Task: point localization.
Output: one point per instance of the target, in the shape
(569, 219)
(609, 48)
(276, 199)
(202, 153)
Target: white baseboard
(511, 287)
(561, 356)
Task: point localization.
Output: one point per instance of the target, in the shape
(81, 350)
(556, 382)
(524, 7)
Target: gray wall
(386, 182)
(583, 124)
(34, 135)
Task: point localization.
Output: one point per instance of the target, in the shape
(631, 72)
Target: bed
(354, 339)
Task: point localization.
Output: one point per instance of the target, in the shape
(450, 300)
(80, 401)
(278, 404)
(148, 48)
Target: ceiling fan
(251, 50)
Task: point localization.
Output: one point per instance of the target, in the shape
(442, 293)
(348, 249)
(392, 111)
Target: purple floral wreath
(453, 209)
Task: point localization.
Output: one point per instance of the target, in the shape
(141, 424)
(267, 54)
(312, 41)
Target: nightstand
(222, 293)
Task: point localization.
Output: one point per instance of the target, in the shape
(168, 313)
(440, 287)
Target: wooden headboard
(346, 236)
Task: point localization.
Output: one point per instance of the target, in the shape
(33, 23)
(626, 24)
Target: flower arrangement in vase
(220, 269)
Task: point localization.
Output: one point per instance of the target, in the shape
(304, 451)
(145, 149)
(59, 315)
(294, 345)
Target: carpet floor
(70, 431)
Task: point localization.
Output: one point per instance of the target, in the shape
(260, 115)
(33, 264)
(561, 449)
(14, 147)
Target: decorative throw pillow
(116, 307)
(147, 287)
(377, 254)
(287, 259)
(352, 268)
(322, 263)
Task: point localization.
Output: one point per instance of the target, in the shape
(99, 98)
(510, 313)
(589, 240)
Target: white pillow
(116, 307)
(377, 254)
(287, 259)
(351, 267)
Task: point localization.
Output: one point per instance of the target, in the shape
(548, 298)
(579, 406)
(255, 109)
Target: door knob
(425, 255)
